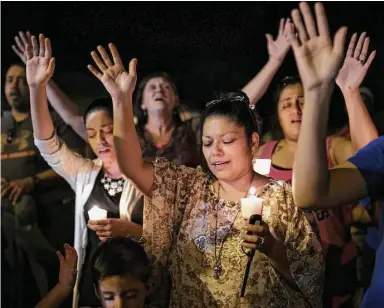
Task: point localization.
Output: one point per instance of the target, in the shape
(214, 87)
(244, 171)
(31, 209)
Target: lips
(104, 151)
(296, 121)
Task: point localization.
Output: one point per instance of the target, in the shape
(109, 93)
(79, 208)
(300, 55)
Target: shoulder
(371, 157)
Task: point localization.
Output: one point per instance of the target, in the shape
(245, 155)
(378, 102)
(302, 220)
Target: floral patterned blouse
(179, 233)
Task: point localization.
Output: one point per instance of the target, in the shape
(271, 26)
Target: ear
(255, 143)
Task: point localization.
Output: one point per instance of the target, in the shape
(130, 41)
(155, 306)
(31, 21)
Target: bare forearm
(128, 147)
(310, 168)
(66, 108)
(55, 297)
(41, 119)
(361, 125)
(257, 87)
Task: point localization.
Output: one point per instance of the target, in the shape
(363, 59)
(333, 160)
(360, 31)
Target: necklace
(217, 268)
(112, 186)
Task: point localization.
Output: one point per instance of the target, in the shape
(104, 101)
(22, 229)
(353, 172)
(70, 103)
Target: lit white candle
(262, 166)
(96, 213)
(251, 205)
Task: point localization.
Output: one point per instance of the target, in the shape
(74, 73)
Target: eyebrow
(89, 128)
(124, 292)
(233, 132)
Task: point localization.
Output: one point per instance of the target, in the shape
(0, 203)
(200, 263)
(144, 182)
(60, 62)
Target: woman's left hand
(260, 239)
(112, 227)
(278, 48)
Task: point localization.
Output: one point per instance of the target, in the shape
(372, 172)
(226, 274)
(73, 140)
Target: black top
(103, 200)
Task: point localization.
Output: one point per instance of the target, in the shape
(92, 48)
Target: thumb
(51, 67)
(132, 67)
(269, 38)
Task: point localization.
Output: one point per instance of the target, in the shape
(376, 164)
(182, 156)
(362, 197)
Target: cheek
(92, 143)
(109, 139)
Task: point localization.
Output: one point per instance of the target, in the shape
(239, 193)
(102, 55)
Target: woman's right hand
(21, 40)
(40, 64)
(118, 82)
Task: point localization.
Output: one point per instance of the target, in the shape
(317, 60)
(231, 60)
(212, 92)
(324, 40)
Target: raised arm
(349, 79)
(318, 59)
(40, 67)
(277, 50)
(120, 84)
(60, 102)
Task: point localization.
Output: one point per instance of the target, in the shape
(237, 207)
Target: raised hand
(354, 69)
(21, 41)
(318, 58)
(40, 64)
(278, 48)
(114, 77)
(68, 265)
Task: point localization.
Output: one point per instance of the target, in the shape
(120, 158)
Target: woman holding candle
(99, 184)
(192, 218)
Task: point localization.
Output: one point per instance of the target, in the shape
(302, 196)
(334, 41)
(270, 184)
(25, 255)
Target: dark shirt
(20, 158)
(184, 147)
(103, 200)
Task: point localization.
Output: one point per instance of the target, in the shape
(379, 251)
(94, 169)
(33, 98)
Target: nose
(217, 149)
(298, 108)
(101, 138)
(119, 303)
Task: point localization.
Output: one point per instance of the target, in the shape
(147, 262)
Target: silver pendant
(218, 270)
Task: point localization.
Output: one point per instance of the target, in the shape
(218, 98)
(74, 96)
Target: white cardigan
(81, 175)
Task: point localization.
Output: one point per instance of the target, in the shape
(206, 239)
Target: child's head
(120, 270)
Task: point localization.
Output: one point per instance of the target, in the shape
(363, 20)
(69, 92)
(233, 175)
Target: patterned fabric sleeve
(303, 248)
(164, 212)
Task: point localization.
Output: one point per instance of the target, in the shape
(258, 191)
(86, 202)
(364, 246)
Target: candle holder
(96, 213)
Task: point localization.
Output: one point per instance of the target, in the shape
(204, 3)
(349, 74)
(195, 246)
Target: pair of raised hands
(318, 57)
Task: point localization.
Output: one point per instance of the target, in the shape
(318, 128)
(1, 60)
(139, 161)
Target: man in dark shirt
(29, 189)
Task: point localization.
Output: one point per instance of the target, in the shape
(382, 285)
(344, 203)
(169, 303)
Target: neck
(238, 188)
(18, 115)
(159, 123)
(291, 145)
(112, 170)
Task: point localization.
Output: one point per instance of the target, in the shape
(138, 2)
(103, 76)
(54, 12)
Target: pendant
(217, 271)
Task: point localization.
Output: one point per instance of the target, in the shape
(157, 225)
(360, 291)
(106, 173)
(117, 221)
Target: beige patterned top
(179, 233)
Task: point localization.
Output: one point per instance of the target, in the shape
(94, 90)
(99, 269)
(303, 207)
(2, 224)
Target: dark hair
(235, 105)
(119, 256)
(277, 131)
(99, 104)
(141, 115)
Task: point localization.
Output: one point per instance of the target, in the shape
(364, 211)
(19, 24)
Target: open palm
(278, 48)
(353, 71)
(68, 265)
(40, 65)
(317, 57)
(117, 81)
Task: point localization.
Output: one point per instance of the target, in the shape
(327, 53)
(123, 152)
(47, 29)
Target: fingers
(115, 54)
(28, 52)
(351, 46)
(308, 19)
(132, 67)
(19, 43)
(105, 56)
(261, 230)
(103, 233)
(95, 72)
(48, 48)
(17, 195)
(13, 190)
(296, 17)
(321, 20)
(292, 37)
(252, 241)
(370, 59)
(364, 52)
(100, 64)
(339, 43)
(41, 45)
(359, 45)
(18, 52)
(5, 190)
(281, 27)
(25, 38)
(60, 256)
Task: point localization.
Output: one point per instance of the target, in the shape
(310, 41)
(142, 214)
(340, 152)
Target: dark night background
(205, 46)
